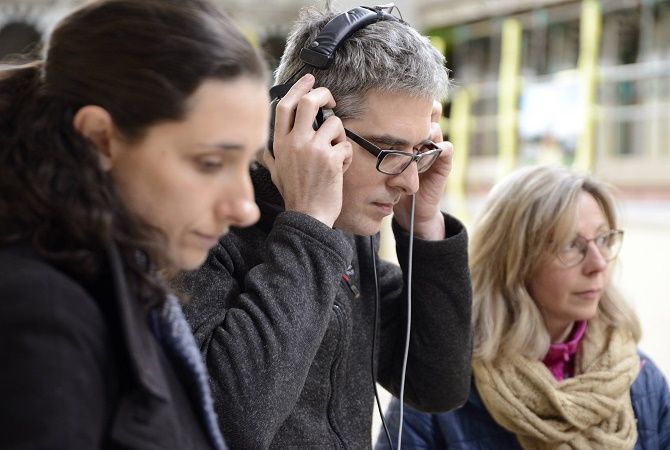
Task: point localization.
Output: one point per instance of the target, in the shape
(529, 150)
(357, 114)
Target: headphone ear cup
(273, 114)
(318, 120)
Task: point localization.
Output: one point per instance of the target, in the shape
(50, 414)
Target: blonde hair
(528, 215)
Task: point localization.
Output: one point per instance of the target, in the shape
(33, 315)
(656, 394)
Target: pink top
(560, 359)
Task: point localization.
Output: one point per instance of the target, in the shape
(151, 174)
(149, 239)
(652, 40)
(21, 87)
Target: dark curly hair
(138, 59)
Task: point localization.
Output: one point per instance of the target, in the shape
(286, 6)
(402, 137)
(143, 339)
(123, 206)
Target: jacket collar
(141, 343)
(268, 198)
(563, 351)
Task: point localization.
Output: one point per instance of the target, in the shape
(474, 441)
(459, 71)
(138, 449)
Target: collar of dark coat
(142, 344)
(268, 198)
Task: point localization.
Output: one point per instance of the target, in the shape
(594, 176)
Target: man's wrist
(433, 230)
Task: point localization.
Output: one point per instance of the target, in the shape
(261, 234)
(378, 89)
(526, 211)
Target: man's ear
(95, 124)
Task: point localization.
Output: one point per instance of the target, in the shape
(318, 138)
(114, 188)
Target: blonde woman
(555, 360)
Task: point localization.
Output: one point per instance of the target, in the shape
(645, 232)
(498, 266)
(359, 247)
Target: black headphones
(320, 54)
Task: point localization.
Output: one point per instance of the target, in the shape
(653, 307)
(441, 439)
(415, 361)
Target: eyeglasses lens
(608, 244)
(427, 160)
(395, 163)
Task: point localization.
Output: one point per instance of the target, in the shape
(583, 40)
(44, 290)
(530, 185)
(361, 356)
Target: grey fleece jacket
(288, 341)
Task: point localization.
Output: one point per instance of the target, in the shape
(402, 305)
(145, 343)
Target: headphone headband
(321, 52)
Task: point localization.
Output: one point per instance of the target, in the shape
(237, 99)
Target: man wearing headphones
(297, 317)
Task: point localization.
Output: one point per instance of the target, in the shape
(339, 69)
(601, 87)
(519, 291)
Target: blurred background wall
(583, 83)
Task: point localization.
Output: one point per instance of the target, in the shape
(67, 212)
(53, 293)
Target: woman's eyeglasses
(394, 162)
(608, 244)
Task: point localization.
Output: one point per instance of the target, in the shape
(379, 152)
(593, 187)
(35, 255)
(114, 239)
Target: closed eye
(209, 164)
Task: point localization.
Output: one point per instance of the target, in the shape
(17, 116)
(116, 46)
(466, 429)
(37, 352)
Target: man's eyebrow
(393, 141)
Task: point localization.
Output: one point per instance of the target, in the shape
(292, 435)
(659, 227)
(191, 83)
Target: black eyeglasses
(608, 244)
(393, 162)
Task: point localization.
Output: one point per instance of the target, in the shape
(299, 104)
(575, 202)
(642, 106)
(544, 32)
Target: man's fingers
(447, 151)
(285, 113)
(436, 112)
(298, 108)
(308, 106)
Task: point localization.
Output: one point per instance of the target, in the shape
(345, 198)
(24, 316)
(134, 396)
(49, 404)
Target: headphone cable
(374, 342)
(409, 321)
(407, 335)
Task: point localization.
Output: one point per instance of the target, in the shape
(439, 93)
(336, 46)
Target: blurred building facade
(589, 84)
(574, 82)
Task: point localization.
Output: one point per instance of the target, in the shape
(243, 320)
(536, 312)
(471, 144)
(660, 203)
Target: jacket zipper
(352, 287)
(340, 314)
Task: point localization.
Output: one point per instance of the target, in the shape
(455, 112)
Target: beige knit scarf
(590, 411)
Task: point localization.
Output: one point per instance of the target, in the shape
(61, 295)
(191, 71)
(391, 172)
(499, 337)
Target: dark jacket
(288, 340)
(81, 368)
(472, 428)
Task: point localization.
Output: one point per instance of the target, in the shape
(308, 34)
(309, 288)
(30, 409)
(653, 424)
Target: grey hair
(526, 219)
(385, 56)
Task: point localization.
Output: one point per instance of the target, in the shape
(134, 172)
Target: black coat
(81, 368)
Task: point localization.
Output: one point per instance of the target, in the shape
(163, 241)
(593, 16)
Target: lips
(590, 294)
(210, 239)
(386, 208)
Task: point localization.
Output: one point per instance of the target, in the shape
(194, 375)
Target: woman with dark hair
(123, 153)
